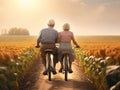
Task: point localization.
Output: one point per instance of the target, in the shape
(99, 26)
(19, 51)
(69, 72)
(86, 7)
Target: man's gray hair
(51, 22)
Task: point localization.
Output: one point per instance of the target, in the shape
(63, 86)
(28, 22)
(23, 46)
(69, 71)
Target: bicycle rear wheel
(65, 63)
(48, 59)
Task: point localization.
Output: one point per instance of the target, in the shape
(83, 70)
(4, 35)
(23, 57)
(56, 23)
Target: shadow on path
(70, 85)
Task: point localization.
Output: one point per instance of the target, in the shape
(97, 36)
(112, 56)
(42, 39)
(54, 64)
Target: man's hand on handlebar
(37, 46)
(77, 46)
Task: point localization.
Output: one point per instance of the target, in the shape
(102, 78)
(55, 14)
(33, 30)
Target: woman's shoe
(60, 71)
(70, 70)
(45, 72)
(54, 71)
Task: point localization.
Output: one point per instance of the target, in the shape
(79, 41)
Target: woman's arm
(74, 41)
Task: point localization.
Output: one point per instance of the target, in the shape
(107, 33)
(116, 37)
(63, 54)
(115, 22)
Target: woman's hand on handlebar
(37, 46)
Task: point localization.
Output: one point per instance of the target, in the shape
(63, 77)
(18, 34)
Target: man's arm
(39, 39)
(38, 43)
(59, 37)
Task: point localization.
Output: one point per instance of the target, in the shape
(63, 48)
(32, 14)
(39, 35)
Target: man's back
(48, 35)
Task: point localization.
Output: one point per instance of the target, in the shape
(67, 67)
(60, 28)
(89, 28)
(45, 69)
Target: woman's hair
(66, 27)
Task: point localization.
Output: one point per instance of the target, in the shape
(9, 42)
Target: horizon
(74, 35)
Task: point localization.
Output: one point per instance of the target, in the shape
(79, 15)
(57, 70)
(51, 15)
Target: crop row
(11, 50)
(97, 68)
(15, 59)
(13, 73)
(103, 49)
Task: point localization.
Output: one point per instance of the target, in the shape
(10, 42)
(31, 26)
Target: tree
(18, 31)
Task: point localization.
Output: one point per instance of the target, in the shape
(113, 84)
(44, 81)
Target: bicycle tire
(66, 68)
(49, 67)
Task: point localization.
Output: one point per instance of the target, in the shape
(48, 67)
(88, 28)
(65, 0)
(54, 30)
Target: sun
(27, 3)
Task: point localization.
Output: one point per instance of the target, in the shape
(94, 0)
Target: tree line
(15, 31)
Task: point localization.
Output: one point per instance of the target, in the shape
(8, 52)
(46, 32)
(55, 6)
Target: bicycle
(66, 62)
(49, 53)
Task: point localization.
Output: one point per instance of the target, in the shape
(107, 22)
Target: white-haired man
(48, 38)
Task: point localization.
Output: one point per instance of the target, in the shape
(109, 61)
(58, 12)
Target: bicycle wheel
(65, 62)
(49, 66)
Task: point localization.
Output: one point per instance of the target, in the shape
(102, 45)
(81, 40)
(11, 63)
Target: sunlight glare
(27, 3)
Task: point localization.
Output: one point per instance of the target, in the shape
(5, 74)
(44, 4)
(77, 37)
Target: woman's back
(65, 36)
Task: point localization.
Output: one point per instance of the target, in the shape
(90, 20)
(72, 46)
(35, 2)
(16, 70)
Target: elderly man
(48, 38)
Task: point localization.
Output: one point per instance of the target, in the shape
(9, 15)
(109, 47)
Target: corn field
(17, 54)
(102, 49)
(11, 50)
(96, 57)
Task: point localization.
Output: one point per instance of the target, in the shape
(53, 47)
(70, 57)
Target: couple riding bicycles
(49, 37)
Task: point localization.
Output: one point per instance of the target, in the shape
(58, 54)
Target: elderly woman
(64, 39)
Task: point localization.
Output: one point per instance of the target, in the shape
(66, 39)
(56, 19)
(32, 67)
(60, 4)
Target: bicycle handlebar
(57, 45)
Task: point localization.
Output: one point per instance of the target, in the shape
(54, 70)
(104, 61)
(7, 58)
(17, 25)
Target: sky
(86, 17)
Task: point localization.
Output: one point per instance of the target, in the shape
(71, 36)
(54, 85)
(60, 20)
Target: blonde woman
(64, 39)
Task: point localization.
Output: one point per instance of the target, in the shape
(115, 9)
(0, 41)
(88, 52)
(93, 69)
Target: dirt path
(34, 80)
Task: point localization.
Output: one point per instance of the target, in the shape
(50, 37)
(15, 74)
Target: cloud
(75, 0)
(95, 14)
(83, 4)
(99, 11)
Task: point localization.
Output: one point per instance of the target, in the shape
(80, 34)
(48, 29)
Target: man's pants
(43, 47)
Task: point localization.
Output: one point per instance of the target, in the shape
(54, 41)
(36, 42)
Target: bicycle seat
(66, 52)
(50, 50)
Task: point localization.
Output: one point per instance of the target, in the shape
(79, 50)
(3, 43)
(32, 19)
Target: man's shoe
(60, 71)
(54, 71)
(70, 70)
(45, 72)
